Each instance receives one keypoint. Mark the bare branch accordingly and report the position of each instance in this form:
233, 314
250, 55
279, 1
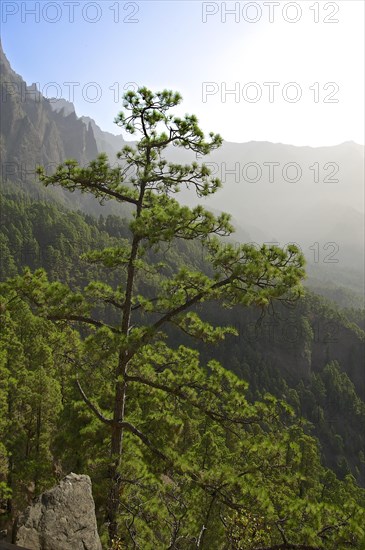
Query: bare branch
82, 319
91, 406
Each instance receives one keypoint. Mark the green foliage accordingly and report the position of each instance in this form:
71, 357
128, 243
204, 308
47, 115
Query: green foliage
80, 443
31, 398
179, 455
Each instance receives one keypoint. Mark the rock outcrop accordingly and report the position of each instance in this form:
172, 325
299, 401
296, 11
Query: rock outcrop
62, 518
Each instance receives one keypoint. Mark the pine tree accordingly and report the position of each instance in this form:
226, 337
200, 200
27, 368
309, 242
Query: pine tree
190, 423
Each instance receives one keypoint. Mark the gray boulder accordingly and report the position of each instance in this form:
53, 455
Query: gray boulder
62, 518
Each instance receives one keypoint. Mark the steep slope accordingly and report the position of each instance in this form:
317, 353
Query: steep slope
106, 142
289, 354
33, 133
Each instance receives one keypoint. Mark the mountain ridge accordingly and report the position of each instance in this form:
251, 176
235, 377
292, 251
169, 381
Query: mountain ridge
322, 207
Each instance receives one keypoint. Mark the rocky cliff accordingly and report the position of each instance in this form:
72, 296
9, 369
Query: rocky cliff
32, 132
61, 519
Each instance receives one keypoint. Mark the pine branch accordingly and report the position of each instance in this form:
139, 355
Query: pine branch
188, 304
214, 415
131, 428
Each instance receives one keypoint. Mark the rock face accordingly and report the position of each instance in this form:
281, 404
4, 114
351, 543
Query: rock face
33, 133
61, 519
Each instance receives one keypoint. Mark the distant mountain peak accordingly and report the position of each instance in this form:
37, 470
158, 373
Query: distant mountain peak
61, 104
4, 61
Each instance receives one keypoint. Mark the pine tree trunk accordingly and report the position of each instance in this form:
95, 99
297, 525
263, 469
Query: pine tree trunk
115, 485
113, 502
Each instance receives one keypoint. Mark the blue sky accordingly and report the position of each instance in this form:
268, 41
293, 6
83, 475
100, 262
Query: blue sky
307, 55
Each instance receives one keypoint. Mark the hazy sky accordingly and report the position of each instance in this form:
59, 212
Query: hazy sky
295, 69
